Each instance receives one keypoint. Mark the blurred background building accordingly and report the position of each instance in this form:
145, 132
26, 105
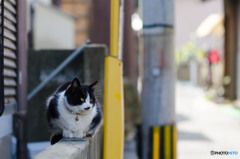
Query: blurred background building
82, 20
199, 31
189, 14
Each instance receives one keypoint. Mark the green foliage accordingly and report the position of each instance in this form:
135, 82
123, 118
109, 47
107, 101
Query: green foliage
132, 107
188, 52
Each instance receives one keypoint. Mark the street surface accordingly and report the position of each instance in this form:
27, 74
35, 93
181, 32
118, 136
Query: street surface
204, 126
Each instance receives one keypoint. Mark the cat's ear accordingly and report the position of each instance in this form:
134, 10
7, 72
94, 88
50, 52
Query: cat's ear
93, 85
75, 83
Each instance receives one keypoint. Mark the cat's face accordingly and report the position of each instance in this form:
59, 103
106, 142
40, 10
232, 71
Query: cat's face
80, 98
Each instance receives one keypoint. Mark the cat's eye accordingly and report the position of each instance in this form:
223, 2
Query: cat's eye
82, 99
91, 100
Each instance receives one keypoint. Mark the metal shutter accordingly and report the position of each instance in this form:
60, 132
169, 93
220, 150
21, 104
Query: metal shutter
9, 21
1, 62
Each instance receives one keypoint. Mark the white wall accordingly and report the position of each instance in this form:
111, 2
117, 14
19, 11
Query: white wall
6, 151
5, 125
46, 2
53, 29
188, 16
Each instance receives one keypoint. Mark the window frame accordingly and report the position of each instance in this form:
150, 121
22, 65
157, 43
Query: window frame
2, 103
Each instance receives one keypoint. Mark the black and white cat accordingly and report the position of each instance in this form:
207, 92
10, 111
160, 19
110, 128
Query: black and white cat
73, 111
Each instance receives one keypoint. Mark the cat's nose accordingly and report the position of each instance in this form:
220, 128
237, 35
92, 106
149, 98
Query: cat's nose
87, 108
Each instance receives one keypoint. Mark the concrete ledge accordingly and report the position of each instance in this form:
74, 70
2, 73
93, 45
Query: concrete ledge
66, 149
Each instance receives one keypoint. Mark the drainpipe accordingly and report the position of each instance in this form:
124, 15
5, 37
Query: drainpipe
21, 115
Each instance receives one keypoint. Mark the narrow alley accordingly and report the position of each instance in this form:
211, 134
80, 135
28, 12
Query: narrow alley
204, 126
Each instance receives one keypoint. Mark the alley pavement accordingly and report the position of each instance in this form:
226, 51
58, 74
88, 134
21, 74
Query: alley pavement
130, 150
205, 130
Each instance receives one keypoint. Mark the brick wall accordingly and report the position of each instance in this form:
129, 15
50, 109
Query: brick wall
81, 10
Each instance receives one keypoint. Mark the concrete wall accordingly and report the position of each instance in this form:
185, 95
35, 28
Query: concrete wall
87, 148
6, 136
188, 16
53, 29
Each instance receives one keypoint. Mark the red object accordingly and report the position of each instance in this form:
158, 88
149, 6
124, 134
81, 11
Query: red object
213, 56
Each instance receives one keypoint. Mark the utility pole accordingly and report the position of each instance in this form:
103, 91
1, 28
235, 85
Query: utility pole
158, 87
230, 47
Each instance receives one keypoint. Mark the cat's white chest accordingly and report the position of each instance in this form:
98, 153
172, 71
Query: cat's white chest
74, 125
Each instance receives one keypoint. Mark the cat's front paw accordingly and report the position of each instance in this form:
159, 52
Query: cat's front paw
68, 134
90, 133
79, 135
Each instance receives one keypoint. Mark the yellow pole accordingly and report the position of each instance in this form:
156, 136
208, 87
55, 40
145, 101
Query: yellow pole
114, 28
113, 138
164, 142
156, 143
167, 141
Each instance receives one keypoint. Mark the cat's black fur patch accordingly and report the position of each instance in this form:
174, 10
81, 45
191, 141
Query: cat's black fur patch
96, 120
78, 90
52, 109
63, 87
55, 138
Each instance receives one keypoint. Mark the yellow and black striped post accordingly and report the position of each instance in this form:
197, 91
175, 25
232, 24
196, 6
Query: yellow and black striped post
163, 142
